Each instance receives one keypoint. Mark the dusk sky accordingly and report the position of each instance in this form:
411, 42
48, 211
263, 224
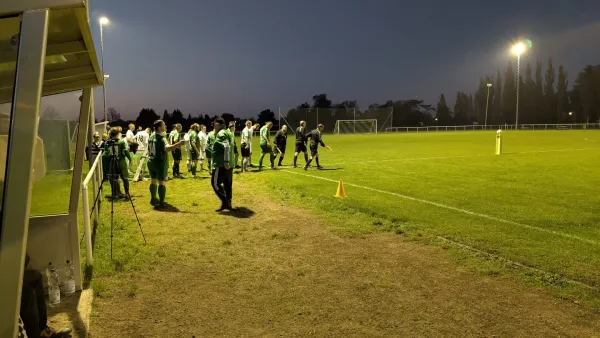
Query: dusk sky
243, 56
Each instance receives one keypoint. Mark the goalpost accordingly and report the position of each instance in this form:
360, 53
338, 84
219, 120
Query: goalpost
366, 126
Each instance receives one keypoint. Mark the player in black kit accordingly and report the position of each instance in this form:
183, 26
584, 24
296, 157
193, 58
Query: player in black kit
315, 138
300, 143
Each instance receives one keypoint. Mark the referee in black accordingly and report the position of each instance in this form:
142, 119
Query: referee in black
315, 137
300, 143
280, 141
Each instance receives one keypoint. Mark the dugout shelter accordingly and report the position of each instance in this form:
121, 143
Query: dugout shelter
46, 48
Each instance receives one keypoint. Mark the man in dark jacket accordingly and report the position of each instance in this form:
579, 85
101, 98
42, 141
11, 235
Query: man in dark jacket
315, 138
280, 144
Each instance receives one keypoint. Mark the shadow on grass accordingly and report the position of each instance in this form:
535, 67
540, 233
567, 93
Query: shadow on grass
169, 208
239, 212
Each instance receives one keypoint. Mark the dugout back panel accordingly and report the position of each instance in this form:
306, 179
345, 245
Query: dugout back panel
57, 146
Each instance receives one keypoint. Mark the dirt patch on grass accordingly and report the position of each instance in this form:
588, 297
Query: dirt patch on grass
259, 276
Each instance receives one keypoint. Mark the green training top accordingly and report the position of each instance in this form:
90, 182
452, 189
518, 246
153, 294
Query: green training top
157, 150
194, 139
222, 148
210, 142
264, 132
174, 136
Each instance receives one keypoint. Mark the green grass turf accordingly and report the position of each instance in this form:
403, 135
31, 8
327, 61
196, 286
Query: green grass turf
547, 180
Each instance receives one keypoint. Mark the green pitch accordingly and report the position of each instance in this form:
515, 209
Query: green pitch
537, 204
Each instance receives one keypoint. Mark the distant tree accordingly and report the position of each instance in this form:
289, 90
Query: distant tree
228, 117
167, 119
509, 98
113, 115
50, 114
549, 94
177, 117
585, 95
321, 101
562, 99
527, 92
146, 118
265, 116
539, 94
461, 108
443, 114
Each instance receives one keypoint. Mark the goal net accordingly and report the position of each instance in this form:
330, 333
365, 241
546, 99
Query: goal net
366, 126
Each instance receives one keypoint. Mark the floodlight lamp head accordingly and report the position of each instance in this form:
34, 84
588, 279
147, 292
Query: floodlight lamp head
519, 48
570, 113
103, 20
489, 85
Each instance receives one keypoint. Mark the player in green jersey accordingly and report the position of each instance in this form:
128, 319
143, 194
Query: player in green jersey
175, 137
265, 145
209, 149
222, 174
234, 163
158, 163
194, 147
114, 163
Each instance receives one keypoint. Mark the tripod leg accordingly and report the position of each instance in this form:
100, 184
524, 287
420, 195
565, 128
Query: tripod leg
119, 172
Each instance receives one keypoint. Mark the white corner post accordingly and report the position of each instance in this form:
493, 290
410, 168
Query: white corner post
499, 142
25, 113
72, 227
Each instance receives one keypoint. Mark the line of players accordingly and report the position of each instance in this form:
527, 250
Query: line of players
218, 147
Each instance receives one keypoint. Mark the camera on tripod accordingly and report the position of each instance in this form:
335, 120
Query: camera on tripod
112, 145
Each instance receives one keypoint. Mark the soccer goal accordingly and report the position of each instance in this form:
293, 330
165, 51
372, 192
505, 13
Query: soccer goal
367, 126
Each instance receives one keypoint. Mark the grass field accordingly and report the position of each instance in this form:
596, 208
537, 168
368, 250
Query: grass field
537, 204
477, 233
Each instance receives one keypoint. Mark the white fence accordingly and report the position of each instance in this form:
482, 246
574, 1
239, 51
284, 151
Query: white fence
94, 175
496, 127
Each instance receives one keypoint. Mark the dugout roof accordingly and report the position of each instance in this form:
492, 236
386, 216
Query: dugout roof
71, 62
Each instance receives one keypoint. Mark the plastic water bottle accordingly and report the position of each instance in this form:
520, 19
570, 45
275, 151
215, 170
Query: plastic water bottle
53, 285
69, 278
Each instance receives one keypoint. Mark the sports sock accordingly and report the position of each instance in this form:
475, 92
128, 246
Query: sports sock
306, 157
174, 169
280, 159
126, 187
153, 189
194, 169
317, 160
308, 162
189, 166
295, 159
162, 192
260, 160
272, 160
178, 169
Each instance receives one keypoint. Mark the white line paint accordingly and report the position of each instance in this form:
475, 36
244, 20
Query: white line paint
521, 265
449, 207
463, 156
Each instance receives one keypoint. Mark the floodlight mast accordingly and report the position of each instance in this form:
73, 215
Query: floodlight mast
487, 102
518, 49
103, 21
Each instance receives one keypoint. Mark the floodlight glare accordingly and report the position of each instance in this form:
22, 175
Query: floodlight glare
489, 85
103, 20
519, 48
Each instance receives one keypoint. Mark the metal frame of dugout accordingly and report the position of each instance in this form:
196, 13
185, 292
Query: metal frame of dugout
52, 52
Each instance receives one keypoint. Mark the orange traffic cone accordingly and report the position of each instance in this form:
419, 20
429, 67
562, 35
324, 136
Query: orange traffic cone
340, 190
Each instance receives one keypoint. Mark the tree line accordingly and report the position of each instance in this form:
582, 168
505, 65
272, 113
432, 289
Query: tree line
544, 97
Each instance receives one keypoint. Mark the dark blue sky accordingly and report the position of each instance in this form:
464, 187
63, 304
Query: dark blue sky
242, 56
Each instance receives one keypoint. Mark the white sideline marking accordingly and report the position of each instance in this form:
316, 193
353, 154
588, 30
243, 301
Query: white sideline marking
464, 156
521, 265
464, 211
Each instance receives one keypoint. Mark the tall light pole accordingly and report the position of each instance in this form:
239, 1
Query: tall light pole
518, 49
487, 103
103, 21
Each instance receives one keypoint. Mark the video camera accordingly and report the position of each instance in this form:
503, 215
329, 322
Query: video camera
112, 146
